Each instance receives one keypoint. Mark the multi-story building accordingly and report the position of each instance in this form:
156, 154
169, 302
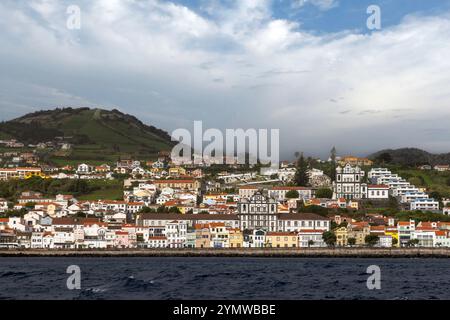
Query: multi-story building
349, 183
236, 237
355, 161
281, 240
258, 212
247, 192
425, 204
405, 228
18, 173
183, 184
176, 234
310, 238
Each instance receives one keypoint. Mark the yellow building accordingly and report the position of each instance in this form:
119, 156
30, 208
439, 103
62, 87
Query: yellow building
42, 175
236, 238
359, 232
394, 234
185, 184
341, 236
215, 196
355, 161
177, 171
353, 204
281, 239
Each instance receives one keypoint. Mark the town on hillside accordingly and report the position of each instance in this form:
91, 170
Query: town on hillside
308, 203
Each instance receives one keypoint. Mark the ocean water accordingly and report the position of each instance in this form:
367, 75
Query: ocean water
223, 278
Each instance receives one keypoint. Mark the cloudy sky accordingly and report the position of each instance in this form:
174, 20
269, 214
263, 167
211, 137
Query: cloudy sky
310, 68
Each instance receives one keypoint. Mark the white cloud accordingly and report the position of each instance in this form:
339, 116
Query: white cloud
234, 67
321, 4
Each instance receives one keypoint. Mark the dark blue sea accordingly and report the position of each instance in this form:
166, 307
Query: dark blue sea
223, 278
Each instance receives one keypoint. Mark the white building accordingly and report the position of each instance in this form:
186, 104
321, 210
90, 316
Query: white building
257, 239
310, 238
377, 191
427, 238
378, 172
84, 169
247, 192
413, 196
176, 234
425, 205
157, 242
279, 193
349, 183
384, 241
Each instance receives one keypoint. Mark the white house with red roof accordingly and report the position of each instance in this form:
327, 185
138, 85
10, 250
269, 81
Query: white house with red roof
377, 191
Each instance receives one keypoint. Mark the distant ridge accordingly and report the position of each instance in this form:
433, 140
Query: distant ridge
412, 157
94, 133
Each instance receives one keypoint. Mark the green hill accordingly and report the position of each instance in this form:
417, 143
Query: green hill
96, 135
410, 157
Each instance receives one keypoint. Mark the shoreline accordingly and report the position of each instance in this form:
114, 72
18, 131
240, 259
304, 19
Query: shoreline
239, 252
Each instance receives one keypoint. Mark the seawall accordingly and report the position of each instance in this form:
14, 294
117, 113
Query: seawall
238, 252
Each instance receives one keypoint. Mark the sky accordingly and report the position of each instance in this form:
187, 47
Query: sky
310, 68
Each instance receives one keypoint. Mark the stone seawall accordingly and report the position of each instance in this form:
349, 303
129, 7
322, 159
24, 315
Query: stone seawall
239, 252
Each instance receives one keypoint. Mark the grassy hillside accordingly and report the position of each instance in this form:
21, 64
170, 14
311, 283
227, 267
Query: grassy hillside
96, 135
430, 179
409, 157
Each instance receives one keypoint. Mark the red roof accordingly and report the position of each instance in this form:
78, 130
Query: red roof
378, 186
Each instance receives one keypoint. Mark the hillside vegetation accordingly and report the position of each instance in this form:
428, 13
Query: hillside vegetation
97, 135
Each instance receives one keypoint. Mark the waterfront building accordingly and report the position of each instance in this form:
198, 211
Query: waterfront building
310, 238
157, 242
341, 236
405, 228
176, 233
202, 236
281, 240
236, 238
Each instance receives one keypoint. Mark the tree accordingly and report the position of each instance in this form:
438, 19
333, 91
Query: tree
343, 224
329, 238
292, 194
333, 163
324, 193
301, 176
436, 195
384, 158
174, 210
80, 214
412, 242
310, 243
371, 240
394, 241
351, 241
147, 210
